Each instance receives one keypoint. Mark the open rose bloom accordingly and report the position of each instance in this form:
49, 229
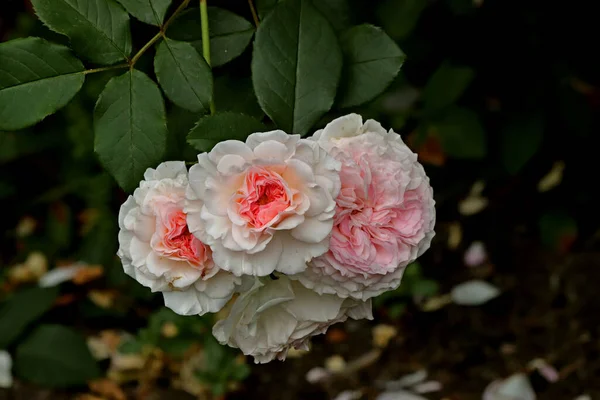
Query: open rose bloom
304, 232
265, 205
384, 216
158, 250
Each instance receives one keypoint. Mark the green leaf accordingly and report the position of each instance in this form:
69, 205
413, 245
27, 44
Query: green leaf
296, 66
395, 311
372, 61
264, 7
425, 287
130, 127
229, 33
22, 309
239, 372
98, 29
461, 134
55, 356
237, 95
180, 121
149, 11
399, 17
184, 75
521, 138
36, 79
213, 129
445, 86
337, 12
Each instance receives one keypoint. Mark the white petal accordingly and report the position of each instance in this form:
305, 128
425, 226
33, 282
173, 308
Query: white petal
298, 173
126, 207
346, 126
515, 387
473, 293
221, 285
199, 173
240, 263
229, 147
290, 141
475, 254
317, 374
399, 395
310, 306
244, 238
231, 164
170, 170
193, 302
373, 126
179, 274
60, 275
407, 380
272, 151
214, 225
139, 252
312, 230
349, 395
359, 309
297, 253
6, 379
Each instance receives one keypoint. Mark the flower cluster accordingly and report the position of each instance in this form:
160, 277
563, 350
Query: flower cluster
295, 234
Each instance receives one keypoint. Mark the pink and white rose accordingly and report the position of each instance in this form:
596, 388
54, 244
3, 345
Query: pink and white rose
158, 250
385, 211
264, 205
276, 315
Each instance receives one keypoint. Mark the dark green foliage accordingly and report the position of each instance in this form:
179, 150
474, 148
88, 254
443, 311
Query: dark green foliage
213, 129
36, 79
55, 356
296, 66
98, 29
130, 126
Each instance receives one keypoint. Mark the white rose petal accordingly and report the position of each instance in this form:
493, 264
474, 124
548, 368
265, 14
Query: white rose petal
515, 387
473, 293
349, 395
6, 379
407, 380
60, 275
399, 395
276, 315
475, 254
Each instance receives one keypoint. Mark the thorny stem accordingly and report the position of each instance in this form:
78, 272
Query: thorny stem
206, 42
254, 15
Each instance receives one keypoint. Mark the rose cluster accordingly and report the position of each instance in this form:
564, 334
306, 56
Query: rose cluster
292, 234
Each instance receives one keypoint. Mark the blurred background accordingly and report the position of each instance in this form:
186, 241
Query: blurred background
500, 99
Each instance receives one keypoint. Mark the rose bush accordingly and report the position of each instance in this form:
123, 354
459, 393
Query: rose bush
158, 250
264, 205
384, 215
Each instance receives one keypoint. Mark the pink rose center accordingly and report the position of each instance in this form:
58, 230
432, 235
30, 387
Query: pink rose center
176, 242
262, 197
